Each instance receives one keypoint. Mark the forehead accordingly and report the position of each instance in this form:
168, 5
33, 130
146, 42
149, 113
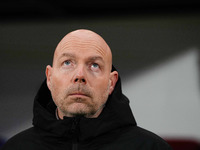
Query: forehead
84, 46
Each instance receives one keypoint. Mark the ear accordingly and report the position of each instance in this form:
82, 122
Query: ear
113, 80
48, 76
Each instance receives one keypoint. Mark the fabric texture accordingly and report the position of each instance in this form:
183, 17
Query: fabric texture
114, 129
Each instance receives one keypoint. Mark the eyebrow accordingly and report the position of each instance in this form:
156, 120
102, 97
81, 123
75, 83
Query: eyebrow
92, 58
67, 55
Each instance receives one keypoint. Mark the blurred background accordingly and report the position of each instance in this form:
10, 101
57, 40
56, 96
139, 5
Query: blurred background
155, 45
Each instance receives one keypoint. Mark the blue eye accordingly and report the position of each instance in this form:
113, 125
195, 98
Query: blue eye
67, 62
95, 65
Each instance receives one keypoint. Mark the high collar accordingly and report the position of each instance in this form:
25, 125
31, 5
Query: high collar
115, 115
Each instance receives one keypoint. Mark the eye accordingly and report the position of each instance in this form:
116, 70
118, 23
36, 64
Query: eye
67, 63
95, 67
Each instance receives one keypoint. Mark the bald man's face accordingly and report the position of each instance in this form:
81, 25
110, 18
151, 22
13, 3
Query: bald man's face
81, 78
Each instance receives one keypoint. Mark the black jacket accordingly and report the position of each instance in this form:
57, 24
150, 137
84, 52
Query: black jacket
114, 129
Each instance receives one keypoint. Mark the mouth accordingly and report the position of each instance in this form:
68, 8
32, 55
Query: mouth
78, 94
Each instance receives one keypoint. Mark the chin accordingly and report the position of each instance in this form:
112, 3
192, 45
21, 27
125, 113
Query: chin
79, 109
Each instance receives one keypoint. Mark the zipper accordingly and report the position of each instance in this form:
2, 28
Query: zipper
75, 133
75, 146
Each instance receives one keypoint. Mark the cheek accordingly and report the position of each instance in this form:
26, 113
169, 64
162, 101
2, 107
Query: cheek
59, 80
102, 86
58, 85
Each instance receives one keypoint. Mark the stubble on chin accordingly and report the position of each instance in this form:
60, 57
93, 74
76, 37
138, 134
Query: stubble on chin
76, 107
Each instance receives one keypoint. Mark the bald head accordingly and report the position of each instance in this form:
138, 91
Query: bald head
84, 39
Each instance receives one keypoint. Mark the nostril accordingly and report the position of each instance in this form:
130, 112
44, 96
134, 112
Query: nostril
80, 80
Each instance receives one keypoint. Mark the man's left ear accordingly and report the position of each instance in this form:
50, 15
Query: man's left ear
113, 80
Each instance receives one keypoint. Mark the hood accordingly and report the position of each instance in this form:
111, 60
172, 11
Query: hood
115, 115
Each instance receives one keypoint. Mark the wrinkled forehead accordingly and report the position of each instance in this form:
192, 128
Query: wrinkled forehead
80, 40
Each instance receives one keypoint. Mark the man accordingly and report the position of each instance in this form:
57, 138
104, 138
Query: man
80, 106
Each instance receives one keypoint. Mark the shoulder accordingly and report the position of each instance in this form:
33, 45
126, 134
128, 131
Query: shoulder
148, 139
138, 138
21, 140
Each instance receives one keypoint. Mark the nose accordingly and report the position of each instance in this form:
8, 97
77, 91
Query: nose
80, 76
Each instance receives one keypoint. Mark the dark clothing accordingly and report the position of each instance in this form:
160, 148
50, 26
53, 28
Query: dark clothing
114, 129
